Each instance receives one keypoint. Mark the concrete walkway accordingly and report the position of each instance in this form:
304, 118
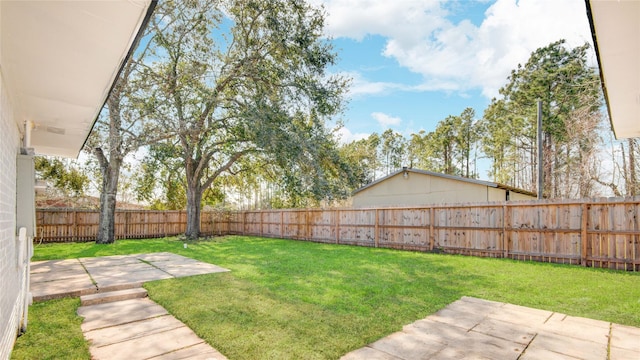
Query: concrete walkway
472, 328
120, 322
140, 329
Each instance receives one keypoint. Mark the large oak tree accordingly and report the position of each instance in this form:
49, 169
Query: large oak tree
243, 78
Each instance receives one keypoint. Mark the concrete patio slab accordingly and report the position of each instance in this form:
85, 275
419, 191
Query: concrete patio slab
472, 328
623, 354
114, 260
162, 256
521, 315
72, 286
124, 267
538, 354
112, 278
579, 328
568, 346
505, 330
462, 319
626, 337
470, 344
368, 353
437, 331
76, 277
56, 266
407, 345
39, 277
475, 306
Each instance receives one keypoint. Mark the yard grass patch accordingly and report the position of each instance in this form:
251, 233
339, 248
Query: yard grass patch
293, 299
53, 332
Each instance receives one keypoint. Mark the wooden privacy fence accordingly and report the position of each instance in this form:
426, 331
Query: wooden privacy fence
69, 225
598, 233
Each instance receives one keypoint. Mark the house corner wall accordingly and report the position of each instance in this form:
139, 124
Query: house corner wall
12, 271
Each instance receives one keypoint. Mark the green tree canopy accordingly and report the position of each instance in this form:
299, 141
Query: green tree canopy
571, 99
67, 180
239, 78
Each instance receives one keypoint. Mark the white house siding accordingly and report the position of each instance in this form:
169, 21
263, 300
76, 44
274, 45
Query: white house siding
12, 292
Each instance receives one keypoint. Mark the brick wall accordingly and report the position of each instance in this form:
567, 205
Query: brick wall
12, 291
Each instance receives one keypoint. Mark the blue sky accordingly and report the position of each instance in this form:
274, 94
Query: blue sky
414, 62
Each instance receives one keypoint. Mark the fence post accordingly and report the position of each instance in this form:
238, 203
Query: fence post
376, 230
432, 235
308, 221
583, 233
126, 225
164, 222
506, 219
74, 237
244, 220
337, 223
282, 223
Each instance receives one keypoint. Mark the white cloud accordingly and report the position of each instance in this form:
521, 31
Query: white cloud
385, 120
345, 135
458, 56
361, 86
357, 18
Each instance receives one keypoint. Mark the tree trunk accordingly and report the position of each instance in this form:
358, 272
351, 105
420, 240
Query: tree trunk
194, 199
110, 174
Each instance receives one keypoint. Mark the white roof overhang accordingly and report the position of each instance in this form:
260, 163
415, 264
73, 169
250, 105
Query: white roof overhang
59, 60
615, 27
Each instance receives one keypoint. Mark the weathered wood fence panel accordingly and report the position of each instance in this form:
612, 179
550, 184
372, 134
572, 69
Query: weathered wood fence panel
469, 230
357, 227
68, 225
545, 232
594, 232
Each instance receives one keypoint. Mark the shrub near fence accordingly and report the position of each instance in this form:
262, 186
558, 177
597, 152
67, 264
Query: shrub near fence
598, 233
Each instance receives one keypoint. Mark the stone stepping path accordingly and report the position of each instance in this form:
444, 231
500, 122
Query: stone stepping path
472, 328
126, 325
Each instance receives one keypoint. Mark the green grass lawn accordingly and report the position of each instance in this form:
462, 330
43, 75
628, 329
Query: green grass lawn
53, 332
289, 299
